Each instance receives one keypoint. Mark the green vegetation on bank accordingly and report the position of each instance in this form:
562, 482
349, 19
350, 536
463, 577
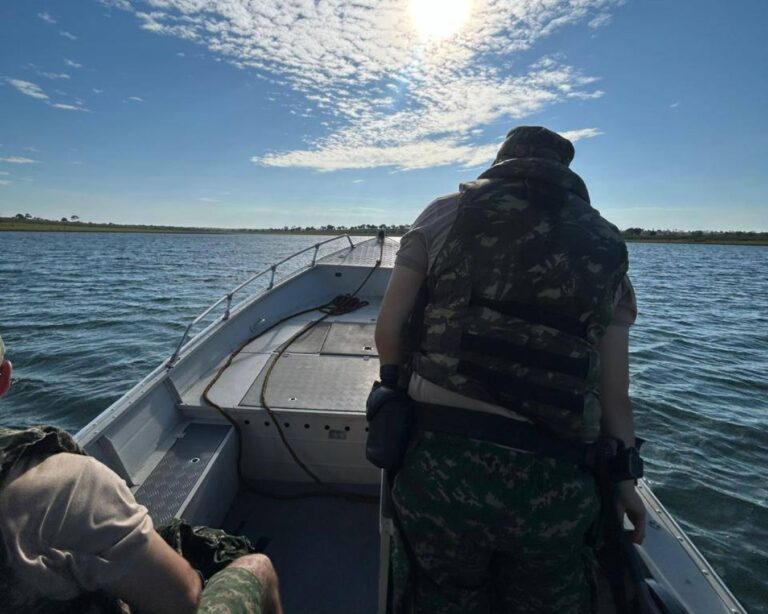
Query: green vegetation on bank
25, 222
738, 237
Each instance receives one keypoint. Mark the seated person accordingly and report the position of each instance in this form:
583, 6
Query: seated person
70, 526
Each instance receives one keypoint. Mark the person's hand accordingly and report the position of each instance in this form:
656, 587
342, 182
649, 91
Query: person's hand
630, 503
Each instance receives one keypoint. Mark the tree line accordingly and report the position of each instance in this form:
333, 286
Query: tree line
630, 234
695, 236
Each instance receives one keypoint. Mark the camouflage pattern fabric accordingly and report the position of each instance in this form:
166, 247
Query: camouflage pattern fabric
208, 550
44, 440
492, 530
234, 590
536, 142
522, 292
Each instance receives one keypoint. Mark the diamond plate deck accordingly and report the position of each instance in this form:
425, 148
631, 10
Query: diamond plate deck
365, 254
175, 476
349, 338
312, 341
306, 381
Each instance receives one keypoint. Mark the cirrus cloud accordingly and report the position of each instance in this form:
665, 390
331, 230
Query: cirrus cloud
385, 96
18, 160
28, 88
35, 91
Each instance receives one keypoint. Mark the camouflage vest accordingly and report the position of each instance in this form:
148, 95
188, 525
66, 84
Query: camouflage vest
520, 295
42, 441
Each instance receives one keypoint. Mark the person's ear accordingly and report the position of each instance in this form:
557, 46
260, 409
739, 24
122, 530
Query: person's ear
6, 369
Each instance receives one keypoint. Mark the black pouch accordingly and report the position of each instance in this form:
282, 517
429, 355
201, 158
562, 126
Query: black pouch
390, 416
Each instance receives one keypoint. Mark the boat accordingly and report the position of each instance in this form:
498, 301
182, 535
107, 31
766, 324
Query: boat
256, 424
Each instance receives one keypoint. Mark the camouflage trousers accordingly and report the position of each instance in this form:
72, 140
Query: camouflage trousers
491, 530
233, 590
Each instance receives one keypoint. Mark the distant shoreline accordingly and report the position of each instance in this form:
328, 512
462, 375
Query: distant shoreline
632, 235
757, 243
13, 225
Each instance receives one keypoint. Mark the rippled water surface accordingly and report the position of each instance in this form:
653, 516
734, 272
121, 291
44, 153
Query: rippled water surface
85, 316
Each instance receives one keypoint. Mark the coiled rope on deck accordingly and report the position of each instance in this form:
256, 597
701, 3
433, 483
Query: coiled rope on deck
339, 305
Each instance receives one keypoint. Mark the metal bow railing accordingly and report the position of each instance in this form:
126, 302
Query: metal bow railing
228, 296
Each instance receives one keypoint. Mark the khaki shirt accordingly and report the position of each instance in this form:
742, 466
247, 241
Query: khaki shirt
418, 251
70, 525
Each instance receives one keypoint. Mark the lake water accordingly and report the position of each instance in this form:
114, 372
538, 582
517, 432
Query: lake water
85, 316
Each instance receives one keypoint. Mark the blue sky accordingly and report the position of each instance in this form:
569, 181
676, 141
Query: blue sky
256, 113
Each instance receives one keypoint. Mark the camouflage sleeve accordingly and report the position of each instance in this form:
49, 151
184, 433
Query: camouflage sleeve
233, 590
625, 304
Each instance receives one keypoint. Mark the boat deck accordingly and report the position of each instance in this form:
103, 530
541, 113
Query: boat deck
329, 368
325, 549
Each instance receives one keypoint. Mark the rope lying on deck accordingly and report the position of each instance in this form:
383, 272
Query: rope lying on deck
340, 305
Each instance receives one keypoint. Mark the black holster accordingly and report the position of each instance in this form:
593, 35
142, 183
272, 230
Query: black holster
390, 418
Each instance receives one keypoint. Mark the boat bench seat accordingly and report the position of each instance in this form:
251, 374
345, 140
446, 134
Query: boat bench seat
190, 472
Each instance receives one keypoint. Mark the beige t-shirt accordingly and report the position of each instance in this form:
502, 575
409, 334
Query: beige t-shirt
418, 251
70, 524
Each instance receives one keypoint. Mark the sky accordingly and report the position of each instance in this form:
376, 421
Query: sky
257, 113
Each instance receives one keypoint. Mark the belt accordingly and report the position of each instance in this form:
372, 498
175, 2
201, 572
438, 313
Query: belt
506, 432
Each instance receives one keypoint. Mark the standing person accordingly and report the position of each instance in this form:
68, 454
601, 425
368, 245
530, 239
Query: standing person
74, 540
516, 354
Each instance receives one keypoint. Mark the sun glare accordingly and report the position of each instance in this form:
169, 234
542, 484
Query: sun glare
439, 19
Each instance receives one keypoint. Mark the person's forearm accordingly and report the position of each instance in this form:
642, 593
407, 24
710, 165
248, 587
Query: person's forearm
396, 306
388, 344
618, 421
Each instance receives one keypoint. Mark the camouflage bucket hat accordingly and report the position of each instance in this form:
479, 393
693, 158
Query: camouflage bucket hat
536, 142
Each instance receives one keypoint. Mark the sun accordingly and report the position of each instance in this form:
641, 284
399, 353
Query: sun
439, 19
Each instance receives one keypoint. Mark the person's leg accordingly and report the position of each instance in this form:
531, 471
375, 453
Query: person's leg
545, 567
247, 586
436, 497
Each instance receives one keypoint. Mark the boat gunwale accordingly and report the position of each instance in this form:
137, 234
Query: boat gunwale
95, 428
667, 523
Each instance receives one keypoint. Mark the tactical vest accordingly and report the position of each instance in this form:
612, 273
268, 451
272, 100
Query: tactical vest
40, 441
520, 295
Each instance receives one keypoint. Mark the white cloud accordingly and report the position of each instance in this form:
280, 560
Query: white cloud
97, 91
134, 99
5, 182
46, 17
4, 173
72, 63
69, 107
117, 4
603, 19
28, 88
204, 199
18, 160
674, 105
385, 96
35, 91
54, 75
358, 180
68, 35
584, 133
